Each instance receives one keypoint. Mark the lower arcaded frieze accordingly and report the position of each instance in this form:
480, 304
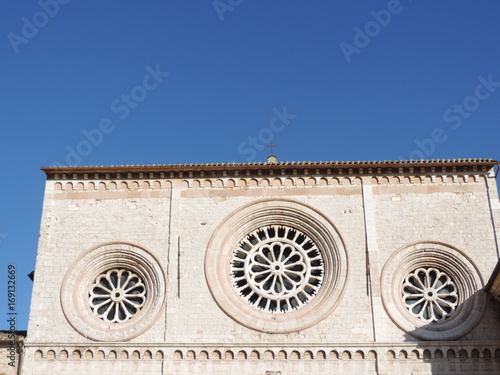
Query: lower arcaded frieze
455, 350
446, 358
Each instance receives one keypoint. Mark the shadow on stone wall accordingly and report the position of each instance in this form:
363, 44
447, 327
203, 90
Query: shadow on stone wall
469, 353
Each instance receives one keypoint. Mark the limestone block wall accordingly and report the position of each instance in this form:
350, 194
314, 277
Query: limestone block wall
11, 352
172, 233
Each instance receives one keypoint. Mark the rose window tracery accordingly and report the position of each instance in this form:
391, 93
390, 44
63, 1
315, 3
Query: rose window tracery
117, 295
429, 294
277, 269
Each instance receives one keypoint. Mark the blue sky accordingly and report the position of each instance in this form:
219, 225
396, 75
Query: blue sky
128, 82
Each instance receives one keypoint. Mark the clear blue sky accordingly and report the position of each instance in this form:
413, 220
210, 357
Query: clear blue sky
129, 82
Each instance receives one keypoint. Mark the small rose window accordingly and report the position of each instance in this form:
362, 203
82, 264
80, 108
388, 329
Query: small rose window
117, 295
429, 294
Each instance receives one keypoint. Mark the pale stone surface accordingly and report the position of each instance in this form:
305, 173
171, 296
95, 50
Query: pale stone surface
10, 347
174, 219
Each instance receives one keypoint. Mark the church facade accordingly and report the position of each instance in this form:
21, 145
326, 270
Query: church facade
267, 268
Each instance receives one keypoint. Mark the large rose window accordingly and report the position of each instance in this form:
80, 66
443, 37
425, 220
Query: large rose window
277, 268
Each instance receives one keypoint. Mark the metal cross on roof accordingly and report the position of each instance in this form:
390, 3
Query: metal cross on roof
271, 147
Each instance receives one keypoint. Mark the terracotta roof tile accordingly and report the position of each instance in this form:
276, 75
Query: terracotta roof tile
214, 167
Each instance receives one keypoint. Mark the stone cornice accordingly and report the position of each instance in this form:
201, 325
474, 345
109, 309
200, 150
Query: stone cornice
294, 345
398, 167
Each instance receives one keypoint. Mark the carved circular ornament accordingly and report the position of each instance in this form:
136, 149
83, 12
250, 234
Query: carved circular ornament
114, 292
277, 269
429, 294
117, 295
276, 266
432, 291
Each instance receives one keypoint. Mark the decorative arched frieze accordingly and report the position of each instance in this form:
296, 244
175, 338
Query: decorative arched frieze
229, 355
359, 354
450, 353
254, 354
51, 355
346, 355
264, 182
289, 182
268, 355
334, 354
253, 183
203, 355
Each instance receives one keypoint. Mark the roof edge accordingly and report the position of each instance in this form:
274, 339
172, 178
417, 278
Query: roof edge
262, 165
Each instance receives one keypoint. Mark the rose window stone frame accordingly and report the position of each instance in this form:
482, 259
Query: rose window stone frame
255, 216
78, 289
464, 298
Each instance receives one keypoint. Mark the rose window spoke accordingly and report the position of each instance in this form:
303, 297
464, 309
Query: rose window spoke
429, 294
277, 269
117, 295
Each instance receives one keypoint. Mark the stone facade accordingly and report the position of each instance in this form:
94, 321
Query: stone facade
11, 351
267, 268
